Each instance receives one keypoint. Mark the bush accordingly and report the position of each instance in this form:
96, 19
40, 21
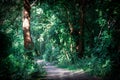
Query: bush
96, 66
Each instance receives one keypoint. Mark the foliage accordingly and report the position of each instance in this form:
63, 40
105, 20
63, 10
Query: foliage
98, 66
51, 22
14, 63
53, 41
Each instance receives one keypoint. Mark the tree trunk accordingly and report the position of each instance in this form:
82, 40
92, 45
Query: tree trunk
28, 44
80, 41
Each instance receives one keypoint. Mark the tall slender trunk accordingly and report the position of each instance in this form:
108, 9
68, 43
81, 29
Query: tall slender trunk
80, 41
28, 44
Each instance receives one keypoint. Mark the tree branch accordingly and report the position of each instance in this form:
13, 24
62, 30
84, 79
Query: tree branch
100, 33
33, 3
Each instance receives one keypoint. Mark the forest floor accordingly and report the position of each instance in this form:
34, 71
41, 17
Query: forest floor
56, 73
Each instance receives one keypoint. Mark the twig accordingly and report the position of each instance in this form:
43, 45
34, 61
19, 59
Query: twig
33, 3
100, 32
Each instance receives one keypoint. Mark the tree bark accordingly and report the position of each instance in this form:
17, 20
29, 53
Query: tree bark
28, 44
80, 41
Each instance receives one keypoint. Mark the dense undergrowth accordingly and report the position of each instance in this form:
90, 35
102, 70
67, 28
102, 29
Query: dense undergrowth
15, 64
50, 31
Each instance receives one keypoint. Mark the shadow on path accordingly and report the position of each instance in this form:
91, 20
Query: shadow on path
55, 73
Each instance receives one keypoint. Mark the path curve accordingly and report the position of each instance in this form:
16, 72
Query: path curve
55, 73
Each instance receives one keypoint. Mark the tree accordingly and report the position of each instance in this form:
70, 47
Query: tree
80, 31
28, 44
77, 33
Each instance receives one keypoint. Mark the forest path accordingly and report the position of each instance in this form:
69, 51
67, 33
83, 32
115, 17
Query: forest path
55, 73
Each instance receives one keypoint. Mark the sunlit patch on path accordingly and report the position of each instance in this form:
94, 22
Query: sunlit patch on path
55, 73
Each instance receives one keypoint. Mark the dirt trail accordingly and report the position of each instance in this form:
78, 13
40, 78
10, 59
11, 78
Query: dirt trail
55, 73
